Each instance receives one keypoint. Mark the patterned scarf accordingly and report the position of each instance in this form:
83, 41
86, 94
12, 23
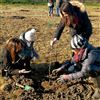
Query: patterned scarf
78, 55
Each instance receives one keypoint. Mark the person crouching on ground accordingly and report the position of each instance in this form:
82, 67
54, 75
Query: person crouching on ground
23, 56
87, 55
76, 18
28, 38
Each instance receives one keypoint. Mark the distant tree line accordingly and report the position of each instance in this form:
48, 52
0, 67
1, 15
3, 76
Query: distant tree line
22, 1
90, 1
38, 1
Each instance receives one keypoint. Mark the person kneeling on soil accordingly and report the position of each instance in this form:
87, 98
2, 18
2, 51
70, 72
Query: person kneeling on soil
84, 54
17, 60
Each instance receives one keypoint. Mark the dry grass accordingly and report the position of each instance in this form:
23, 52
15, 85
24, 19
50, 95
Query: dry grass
37, 16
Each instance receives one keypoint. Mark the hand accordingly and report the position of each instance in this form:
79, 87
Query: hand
55, 71
62, 79
23, 71
53, 41
34, 59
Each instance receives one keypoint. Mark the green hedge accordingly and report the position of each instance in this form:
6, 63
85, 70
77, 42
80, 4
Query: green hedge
94, 2
23, 1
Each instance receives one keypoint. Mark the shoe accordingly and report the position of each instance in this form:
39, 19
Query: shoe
23, 71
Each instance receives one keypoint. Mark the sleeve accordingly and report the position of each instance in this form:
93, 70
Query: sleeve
66, 64
59, 30
87, 25
6, 59
72, 31
35, 54
86, 68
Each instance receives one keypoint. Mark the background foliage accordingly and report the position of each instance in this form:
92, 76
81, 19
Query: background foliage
41, 1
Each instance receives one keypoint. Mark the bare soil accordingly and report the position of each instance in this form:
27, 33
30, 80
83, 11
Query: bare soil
15, 19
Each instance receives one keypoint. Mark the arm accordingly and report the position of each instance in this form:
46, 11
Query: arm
59, 29
66, 65
6, 58
87, 25
35, 54
86, 68
7, 64
58, 32
63, 67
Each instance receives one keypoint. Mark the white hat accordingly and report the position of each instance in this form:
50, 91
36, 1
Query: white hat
29, 35
78, 42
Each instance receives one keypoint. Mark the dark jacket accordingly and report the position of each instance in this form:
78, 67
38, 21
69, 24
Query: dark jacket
51, 1
62, 1
83, 27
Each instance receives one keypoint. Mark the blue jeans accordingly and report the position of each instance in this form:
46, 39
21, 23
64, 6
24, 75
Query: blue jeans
50, 10
57, 10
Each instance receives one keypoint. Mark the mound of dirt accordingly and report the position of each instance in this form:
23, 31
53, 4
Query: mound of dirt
39, 86
17, 19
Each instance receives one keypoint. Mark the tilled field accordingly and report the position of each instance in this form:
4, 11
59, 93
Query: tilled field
15, 19
44, 87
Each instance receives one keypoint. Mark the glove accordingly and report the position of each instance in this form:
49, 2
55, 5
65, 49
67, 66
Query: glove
23, 71
53, 41
55, 71
62, 79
